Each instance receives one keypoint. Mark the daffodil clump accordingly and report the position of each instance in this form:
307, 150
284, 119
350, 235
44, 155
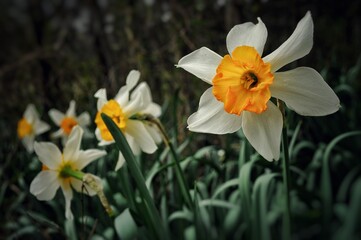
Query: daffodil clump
246, 91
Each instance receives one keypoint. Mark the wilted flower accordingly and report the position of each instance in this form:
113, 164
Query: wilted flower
243, 83
30, 126
126, 110
63, 169
67, 121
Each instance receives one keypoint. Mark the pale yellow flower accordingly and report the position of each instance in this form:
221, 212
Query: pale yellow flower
30, 126
126, 110
67, 121
56, 166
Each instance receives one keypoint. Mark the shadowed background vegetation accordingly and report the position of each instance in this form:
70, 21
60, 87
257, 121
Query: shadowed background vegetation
54, 51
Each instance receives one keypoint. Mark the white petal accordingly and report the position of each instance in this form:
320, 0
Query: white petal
135, 105
202, 63
48, 153
247, 34
58, 133
122, 96
81, 187
298, 45
71, 110
153, 109
212, 118
45, 185
154, 132
30, 113
120, 162
28, 142
84, 119
264, 130
304, 91
88, 156
132, 79
84, 188
41, 127
132, 144
72, 146
141, 136
101, 94
68, 194
56, 116
144, 90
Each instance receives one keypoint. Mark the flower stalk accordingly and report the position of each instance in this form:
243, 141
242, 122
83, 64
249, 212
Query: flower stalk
178, 170
285, 175
67, 171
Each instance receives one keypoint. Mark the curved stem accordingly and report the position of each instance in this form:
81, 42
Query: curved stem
178, 170
286, 176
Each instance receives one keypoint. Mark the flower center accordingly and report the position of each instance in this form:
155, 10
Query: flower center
24, 128
63, 171
242, 81
67, 124
115, 112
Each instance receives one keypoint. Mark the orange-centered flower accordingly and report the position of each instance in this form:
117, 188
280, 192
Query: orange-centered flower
242, 84
67, 124
67, 121
30, 126
242, 81
24, 128
113, 110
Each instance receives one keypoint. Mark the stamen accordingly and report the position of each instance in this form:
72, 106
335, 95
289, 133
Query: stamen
67, 124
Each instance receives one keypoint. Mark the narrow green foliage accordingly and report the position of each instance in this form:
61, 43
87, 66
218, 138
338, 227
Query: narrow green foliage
326, 182
261, 198
123, 146
245, 191
287, 186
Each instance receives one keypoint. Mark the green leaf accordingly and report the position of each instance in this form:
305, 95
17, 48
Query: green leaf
155, 225
350, 228
326, 188
261, 200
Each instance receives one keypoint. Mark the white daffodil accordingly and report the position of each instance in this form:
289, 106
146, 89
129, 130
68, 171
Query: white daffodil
67, 121
61, 169
243, 84
30, 126
124, 109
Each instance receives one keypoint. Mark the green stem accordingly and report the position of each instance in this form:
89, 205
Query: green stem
286, 178
178, 170
67, 171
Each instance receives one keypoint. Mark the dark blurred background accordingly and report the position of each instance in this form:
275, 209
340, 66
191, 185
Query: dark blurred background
58, 50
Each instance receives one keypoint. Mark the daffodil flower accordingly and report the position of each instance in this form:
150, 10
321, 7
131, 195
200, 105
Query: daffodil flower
67, 121
126, 110
243, 83
29, 126
63, 169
